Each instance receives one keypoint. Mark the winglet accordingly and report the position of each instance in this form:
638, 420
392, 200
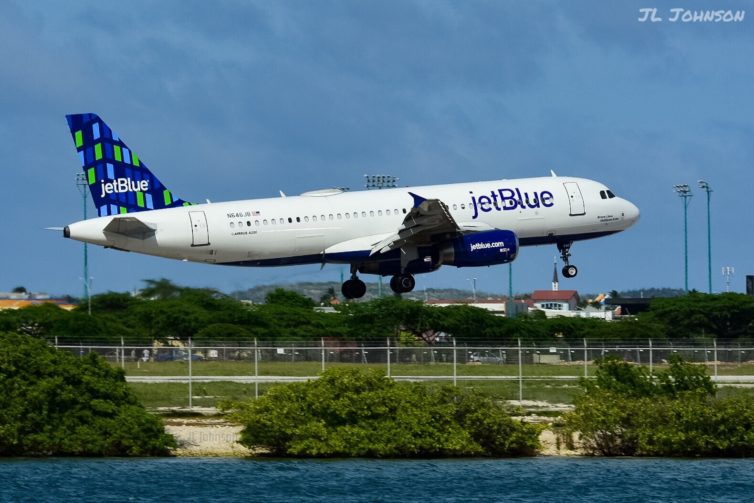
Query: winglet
417, 199
553, 174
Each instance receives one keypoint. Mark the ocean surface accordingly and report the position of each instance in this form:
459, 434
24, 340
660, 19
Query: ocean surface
535, 479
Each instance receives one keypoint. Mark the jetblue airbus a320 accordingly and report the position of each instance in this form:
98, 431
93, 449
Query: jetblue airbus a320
397, 232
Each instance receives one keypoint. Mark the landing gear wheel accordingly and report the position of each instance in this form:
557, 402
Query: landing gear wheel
402, 283
570, 271
353, 288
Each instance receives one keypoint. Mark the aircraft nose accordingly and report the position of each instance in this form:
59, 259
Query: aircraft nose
631, 213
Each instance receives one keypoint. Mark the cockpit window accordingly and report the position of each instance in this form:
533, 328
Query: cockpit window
603, 195
610, 194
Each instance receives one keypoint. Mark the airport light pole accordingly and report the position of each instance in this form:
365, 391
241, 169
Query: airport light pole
83, 186
684, 191
705, 187
378, 182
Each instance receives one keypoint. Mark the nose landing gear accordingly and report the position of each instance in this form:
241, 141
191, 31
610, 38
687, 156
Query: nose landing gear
564, 247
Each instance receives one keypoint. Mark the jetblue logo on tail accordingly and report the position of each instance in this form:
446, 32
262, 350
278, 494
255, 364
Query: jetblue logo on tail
118, 179
121, 185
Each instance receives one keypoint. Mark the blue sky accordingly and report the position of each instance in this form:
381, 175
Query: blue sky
233, 100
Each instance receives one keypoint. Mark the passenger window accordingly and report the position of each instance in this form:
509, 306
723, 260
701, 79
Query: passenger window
387, 212
363, 214
331, 216
273, 221
455, 206
404, 211
264, 222
290, 220
314, 218
463, 206
306, 219
298, 220
256, 222
340, 216
248, 224
348, 216
371, 213
379, 213
232, 225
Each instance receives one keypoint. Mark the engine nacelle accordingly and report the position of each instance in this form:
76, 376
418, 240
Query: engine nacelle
480, 248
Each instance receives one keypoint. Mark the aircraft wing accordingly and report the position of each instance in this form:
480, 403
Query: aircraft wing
427, 219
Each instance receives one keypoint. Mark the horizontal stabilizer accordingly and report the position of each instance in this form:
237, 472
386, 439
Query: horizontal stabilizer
130, 227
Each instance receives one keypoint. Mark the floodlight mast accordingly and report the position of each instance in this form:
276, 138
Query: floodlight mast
705, 187
380, 182
684, 191
83, 186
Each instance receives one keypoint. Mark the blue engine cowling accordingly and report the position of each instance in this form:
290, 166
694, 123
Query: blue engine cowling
481, 248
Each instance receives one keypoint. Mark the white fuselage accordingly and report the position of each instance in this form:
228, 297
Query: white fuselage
324, 226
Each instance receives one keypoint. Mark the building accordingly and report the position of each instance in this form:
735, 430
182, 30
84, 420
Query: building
555, 300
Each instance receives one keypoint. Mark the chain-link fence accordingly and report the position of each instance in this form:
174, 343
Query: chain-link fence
513, 371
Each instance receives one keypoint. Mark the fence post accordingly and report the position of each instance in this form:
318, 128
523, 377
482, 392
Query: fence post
714, 345
256, 369
520, 374
122, 354
455, 362
388, 356
322, 345
651, 358
586, 360
190, 387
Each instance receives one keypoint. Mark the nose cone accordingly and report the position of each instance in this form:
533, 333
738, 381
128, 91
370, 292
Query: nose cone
630, 213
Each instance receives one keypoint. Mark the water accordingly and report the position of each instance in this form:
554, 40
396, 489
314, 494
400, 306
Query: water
535, 479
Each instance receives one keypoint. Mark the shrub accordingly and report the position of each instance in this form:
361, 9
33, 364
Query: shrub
626, 412
54, 403
355, 413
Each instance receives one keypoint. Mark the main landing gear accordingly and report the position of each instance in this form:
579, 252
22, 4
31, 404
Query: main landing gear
354, 288
402, 283
564, 247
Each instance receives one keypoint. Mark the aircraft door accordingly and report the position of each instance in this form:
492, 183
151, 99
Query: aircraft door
575, 199
199, 230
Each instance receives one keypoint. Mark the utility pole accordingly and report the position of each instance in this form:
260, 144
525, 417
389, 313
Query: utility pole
684, 192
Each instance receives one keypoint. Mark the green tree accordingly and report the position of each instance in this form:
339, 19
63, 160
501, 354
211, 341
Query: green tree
725, 315
161, 289
288, 298
54, 403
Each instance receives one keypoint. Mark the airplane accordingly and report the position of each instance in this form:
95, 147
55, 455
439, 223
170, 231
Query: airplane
396, 232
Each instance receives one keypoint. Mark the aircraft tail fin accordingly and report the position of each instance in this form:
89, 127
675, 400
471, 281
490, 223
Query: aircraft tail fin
119, 181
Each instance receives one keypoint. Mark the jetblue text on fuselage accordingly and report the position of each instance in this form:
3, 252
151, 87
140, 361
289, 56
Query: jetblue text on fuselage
510, 199
123, 185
